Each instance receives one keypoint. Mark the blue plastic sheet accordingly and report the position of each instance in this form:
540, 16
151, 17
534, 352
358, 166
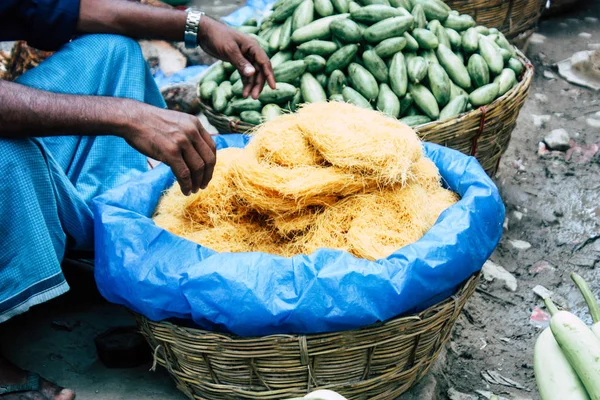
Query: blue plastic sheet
163, 276
258, 9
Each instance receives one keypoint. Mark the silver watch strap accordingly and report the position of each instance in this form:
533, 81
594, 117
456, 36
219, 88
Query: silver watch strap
192, 24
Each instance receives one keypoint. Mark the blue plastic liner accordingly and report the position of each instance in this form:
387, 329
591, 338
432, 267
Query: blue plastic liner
258, 9
162, 276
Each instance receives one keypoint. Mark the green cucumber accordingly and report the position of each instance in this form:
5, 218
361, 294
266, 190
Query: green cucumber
461, 57
470, 41
387, 101
455, 39
285, 36
322, 79
337, 97
312, 91
346, 30
353, 97
375, 65
414, 111
219, 100
245, 105
226, 87
238, 88
491, 55
289, 71
215, 72
484, 95
387, 28
417, 69
341, 58
277, 59
304, 15
411, 43
236, 75
270, 112
374, 2
456, 91
439, 82
250, 22
262, 43
353, 6
324, 8
506, 55
419, 15
425, 100
493, 31
415, 120
555, 378
314, 63
505, 44
336, 82
404, 12
454, 108
459, 23
506, 80
374, 13
425, 38
266, 34
228, 111
251, 117
295, 103
429, 56
274, 39
590, 300
285, 10
454, 67
318, 47
247, 29
580, 347
478, 71
406, 4
482, 30
228, 67
389, 47
363, 81
441, 34
298, 55
515, 65
434, 9
207, 89
406, 103
319, 29
341, 6
398, 75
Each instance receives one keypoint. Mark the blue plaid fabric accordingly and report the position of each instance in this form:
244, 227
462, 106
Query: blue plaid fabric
47, 183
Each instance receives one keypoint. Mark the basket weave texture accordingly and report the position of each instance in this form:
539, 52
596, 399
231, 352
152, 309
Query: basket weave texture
483, 133
511, 17
379, 362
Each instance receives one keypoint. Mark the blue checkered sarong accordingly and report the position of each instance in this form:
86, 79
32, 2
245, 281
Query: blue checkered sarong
47, 183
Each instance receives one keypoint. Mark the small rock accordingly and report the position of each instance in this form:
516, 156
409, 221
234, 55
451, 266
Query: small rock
594, 46
549, 75
517, 215
542, 149
598, 114
584, 260
541, 266
488, 395
542, 98
536, 38
540, 120
592, 20
573, 20
594, 123
558, 139
542, 292
493, 271
426, 389
585, 35
563, 25
454, 394
520, 244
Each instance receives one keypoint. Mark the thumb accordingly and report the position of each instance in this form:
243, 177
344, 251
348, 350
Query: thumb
239, 61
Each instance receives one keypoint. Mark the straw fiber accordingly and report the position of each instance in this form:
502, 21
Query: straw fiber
483, 133
379, 362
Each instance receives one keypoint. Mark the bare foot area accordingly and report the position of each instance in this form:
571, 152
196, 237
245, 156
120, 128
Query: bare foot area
17, 384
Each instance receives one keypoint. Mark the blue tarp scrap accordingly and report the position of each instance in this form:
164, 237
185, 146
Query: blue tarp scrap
162, 276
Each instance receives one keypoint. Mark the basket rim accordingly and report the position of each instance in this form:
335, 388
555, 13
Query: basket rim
522, 85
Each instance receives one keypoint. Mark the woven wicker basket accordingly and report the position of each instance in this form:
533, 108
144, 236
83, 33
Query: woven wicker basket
514, 18
483, 133
379, 362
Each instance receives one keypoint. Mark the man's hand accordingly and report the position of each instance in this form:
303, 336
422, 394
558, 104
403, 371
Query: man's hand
177, 139
241, 50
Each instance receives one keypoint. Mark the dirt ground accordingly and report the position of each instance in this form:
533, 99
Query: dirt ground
552, 204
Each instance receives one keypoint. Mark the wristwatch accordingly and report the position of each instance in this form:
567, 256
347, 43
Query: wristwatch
192, 23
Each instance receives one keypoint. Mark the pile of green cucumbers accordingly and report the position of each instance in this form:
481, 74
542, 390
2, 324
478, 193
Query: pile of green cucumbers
416, 60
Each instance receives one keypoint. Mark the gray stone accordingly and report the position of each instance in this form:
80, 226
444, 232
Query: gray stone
585, 35
426, 389
536, 38
492, 271
454, 394
558, 139
592, 20
520, 244
542, 98
594, 123
540, 120
594, 46
549, 75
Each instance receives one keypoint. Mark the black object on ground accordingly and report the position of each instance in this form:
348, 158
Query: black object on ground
122, 347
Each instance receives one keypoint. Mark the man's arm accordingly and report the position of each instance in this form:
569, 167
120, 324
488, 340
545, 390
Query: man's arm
142, 21
177, 139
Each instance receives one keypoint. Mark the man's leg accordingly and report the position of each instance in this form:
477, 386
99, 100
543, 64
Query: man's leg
49, 182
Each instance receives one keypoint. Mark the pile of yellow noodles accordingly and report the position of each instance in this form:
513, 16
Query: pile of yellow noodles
331, 175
